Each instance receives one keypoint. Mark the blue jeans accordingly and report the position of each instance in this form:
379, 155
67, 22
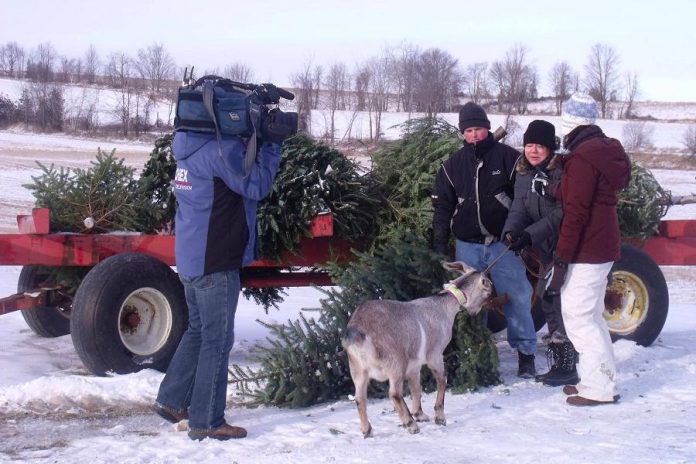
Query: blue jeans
509, 277
197, 376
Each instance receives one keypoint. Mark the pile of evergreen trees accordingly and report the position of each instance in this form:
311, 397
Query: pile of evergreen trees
303, 362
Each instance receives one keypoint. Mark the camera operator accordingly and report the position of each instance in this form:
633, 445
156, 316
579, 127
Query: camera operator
215, 236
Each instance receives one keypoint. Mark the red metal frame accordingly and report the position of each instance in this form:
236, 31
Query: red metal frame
675, 245
22, 301
35, 246
89, 250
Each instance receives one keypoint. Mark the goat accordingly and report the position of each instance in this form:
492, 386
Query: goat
391, 340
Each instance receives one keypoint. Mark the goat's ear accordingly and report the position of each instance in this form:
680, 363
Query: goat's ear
458, 266
459, 281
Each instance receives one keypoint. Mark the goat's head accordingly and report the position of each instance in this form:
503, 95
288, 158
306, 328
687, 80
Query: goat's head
473, 285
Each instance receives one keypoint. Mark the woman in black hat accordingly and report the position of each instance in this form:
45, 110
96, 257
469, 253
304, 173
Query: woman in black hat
534, 221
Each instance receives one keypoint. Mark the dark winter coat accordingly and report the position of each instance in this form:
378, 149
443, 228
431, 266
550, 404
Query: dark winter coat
539, 215
473, 192
594, 171
216, 201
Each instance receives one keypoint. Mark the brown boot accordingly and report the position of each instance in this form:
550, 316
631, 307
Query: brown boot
167, 413
582, 401
570, 390
224, 432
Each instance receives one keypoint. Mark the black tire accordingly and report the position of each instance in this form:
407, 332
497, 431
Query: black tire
52, 320
639, 309
129, 314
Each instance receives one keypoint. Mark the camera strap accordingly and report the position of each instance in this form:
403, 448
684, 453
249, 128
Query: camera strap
208, 102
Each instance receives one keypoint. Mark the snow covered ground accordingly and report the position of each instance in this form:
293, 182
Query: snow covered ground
53, 410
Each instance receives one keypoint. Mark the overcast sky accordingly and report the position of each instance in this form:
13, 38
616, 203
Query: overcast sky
277, 38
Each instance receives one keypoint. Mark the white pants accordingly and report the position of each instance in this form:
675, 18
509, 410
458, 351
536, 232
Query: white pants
582, 305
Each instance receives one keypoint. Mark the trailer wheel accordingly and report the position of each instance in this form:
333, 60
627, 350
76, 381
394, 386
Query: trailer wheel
129, 314
637, 299
52, 320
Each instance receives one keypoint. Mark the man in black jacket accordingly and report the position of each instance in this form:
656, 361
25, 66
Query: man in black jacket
472, 195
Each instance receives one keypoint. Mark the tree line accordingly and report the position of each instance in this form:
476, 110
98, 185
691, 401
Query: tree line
401, 78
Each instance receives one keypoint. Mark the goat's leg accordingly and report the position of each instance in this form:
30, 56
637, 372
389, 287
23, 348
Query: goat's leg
438, 369
361, 380
396, 393
414, 384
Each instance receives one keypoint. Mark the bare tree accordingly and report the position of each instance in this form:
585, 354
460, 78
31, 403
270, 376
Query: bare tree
155, 65
40, 67
476, 81
303, 83
637, 136
318, 71
563, 80
362, 83
119, 72
12, 58
81, 111
689, 141
515, 79
42, 104
68, 69
238, 72
91, 64
379, 89
336, 83
402, 70
631, 94
438, 81
601, 75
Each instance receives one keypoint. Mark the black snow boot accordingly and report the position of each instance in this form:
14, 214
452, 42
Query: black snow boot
564, 371
553, 354
525, 366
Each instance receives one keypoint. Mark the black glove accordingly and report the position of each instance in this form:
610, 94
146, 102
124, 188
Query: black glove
441, 248
518, 240
278, 125
440, 240
540, 183
555, 278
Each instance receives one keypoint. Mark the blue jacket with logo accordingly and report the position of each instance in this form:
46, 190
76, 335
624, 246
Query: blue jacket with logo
216, 211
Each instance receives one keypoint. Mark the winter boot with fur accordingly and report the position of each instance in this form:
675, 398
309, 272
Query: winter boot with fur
564, 371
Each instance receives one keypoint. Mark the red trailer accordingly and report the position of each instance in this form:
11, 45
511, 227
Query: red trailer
129, 309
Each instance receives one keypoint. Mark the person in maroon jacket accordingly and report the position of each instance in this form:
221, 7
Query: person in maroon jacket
596, 168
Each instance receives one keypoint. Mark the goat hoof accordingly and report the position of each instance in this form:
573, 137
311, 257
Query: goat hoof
412, 428
368, 433
440, 421
421, 417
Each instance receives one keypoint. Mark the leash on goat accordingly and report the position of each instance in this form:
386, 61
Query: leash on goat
529, 256
495, 261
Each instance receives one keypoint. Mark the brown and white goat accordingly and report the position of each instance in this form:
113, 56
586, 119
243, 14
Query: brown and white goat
391, 340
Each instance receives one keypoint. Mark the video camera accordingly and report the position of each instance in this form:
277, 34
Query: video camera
216, 104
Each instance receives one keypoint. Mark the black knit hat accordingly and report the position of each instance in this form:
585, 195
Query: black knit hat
472, 115
541, 132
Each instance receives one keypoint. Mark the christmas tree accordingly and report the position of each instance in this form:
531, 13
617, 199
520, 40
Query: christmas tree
303, 362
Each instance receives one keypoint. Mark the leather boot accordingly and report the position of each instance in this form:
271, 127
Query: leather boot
552, 356
224, 432
525, 366
565, 372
